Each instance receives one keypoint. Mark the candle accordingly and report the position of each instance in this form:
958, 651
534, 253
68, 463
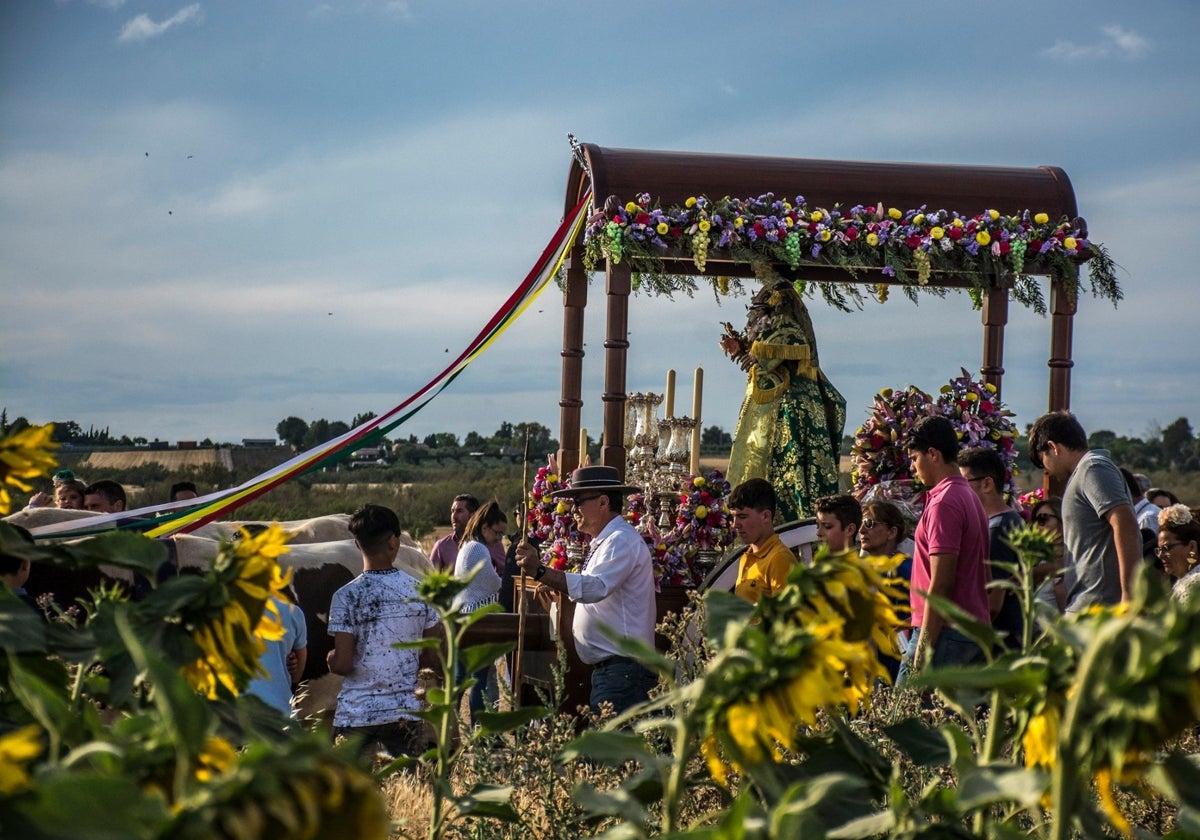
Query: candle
669, 411
697, 390
583, 447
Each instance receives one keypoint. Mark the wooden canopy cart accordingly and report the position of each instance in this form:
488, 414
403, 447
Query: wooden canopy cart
618, 175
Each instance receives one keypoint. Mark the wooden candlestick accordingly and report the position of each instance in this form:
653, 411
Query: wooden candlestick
583, 449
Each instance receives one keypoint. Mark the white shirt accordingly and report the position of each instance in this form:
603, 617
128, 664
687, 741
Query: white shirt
614, 590
1147, 515
379, 609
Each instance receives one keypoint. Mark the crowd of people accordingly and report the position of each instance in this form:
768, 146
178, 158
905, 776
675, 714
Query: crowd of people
1108, 523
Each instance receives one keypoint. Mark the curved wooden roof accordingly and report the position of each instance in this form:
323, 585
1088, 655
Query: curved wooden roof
671, 177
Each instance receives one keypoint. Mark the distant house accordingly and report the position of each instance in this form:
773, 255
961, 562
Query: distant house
259, 443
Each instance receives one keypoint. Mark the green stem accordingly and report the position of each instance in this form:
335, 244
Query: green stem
1064, 789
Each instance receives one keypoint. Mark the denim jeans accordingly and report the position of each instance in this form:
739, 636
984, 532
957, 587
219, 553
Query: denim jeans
479, 698
951, 648
621, 682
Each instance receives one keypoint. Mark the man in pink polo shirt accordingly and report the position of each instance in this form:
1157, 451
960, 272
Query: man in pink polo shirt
951, 555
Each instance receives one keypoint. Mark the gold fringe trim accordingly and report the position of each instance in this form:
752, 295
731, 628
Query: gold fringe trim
795, 352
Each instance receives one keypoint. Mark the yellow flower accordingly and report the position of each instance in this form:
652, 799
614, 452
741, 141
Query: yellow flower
17, 749
662, 227
983, 238
989, 387
701, 512
562, 508
712, 757
937, 232
24, 455
745, 724
893, 213
815, 216
704, 225
699, 481
216, 757
232, 640
872, 239
824, 236
957, 223
691, 202
1040, 740
919, 219
631, 207
1070, 243
738, 222
1041, 218
1108, 803
993, 214
789, 222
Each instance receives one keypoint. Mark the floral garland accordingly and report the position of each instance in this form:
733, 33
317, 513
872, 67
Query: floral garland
902, 243
548, 521
879, 458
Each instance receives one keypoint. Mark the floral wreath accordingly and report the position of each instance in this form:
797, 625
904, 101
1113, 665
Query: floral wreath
1174, 516
879, 457
702, 523
907, 245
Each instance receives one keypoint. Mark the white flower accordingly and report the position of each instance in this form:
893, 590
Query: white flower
1175, 516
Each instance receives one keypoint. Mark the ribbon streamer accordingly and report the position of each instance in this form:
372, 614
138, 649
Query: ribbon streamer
182, 517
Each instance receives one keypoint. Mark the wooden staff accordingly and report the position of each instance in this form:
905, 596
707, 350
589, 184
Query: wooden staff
523, 609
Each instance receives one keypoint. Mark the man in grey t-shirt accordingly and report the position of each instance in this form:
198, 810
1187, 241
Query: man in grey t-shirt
1100, 531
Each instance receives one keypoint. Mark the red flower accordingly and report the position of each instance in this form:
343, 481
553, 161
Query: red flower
1035, 245
759, 228
642, 218
955, 233
1005, 246
676, 232
851, 234
812, 227
913, 240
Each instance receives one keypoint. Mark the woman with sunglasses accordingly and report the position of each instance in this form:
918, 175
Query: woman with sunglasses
485, 528
1047, 515
1178, 544
884, 532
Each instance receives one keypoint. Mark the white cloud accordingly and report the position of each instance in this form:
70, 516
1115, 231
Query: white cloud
1117, 42
107, 4
142, 28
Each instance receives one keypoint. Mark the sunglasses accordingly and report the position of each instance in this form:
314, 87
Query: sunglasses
581, 501
1164, 550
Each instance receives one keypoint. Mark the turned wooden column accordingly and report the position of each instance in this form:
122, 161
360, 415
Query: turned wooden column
616, 346
995, 318
574, 301
1063, 302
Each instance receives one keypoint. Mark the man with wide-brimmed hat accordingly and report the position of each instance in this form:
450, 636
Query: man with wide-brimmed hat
613, 593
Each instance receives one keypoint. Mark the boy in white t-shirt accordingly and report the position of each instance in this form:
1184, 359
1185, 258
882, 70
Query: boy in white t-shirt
366, 618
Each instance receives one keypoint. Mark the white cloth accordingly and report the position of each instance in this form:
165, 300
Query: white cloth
614, 590
485, 586
1187, 585
379, 609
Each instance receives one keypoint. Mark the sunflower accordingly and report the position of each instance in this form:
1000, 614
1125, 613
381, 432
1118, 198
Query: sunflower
17, 749
24, 455
231, 638
810, 648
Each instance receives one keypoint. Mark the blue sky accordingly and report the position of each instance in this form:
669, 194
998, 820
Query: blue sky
214, 215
